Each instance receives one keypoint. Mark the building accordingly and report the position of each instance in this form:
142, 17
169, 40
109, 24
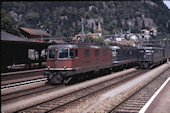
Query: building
93, 35
35, 34
147, 34
153, 32
15, 50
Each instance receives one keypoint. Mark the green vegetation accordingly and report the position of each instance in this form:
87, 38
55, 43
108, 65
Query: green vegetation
64, 17
8, 24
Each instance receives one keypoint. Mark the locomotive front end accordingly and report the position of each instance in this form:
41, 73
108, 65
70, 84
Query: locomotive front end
145, 57
59, 63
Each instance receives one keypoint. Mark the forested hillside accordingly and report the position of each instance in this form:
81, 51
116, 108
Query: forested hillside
65, 17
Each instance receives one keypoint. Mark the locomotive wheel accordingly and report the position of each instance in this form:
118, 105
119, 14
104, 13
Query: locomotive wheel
56, 79
145, 65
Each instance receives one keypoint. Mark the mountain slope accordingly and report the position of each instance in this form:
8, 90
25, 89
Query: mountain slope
65, 17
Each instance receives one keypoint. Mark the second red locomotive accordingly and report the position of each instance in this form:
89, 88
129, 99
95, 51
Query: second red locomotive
66, 61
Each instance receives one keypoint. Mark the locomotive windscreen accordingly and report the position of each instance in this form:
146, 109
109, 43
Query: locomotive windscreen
63, 53
51, 53
66, 53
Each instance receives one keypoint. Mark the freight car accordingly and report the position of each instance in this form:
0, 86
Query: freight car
152, 56
67, 61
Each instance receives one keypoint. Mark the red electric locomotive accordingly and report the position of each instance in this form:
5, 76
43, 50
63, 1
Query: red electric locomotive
66, 61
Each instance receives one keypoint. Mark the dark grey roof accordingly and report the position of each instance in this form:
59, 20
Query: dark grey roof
10, 37
75, 46
62, 46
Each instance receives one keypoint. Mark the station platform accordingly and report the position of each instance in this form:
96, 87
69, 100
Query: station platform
160, 101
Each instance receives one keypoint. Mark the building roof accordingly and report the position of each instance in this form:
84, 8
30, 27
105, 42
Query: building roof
35, 31
89, 34
10, 37
152, 29
144, 30
58, 41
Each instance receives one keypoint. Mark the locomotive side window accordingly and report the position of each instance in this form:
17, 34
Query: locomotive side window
71, 53
105, 52
76, 53
96, 52
51, 53
86, 53
63, 53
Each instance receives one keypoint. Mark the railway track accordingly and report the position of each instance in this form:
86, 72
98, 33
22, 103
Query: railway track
6, 86
16, 77
60, 103
73, 97
135, 102
15, 96
21, 74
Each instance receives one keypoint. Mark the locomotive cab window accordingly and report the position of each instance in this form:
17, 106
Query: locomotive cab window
76, 53
51, 53
71, 53
63, 53
114, 52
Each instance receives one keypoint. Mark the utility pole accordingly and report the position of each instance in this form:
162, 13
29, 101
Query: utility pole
130, 33
82, 26
121, 36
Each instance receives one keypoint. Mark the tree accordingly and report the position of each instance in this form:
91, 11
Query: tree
136, 22
8, 24
143, 24
91, 30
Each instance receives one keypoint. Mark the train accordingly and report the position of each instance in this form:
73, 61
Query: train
68, 61
123, 56
150, 56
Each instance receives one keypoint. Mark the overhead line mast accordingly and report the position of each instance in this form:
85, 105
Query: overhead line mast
82, 26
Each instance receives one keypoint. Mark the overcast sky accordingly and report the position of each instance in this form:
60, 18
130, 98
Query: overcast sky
167, 2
